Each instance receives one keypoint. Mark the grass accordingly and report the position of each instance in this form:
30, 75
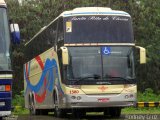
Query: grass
132, 110
20, 111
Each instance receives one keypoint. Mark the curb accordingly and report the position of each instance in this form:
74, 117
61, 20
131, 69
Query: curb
147, 104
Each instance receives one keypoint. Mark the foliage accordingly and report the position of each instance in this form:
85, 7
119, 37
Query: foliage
18, 100
147, 34
132, 110
148, 95
18, 104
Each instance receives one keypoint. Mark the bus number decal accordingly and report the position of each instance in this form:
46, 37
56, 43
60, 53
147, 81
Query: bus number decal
74, 91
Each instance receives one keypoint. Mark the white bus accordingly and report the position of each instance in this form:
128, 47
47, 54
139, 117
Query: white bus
82, 61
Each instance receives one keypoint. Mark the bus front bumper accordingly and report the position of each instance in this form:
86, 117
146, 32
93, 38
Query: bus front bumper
99, 105
99, 101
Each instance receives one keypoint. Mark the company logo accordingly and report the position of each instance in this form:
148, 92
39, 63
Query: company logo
103, 88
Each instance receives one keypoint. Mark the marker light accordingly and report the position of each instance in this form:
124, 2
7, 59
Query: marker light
2, 87
74, 86
7, 87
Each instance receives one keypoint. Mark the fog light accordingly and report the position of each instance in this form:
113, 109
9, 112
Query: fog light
131, 95
126, 96
73, 97
79, 97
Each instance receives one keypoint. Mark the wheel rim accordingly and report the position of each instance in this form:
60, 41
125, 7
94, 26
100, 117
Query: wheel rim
32, 109
56, 108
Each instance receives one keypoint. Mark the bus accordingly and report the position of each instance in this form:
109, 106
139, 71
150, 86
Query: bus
6, 75
82, 61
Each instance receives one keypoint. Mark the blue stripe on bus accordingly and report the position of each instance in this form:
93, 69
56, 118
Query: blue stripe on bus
5, 95
5, 81
48, 68
96, 13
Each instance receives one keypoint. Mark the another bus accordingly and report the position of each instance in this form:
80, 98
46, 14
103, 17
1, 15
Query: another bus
6, 75
83, 61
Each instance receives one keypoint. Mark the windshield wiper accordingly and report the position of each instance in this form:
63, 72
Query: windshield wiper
87, 77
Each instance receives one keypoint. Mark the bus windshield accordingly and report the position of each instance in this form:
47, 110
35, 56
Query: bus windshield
97, 64
98, 29
4, 41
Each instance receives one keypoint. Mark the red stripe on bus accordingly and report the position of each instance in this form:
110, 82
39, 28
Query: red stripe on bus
41, 98
40, 62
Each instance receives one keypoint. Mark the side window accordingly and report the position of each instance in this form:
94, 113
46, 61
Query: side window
31, 49
43, 41
36, 45
52, 31
60, 35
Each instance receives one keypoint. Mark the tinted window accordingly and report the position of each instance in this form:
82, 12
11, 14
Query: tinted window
98, 29
60, 36
42, 42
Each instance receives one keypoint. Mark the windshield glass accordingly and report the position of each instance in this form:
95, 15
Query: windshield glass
100, 63
4, 41
84, 62
117, 62
98, 29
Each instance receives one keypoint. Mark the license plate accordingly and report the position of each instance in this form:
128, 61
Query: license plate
103, 99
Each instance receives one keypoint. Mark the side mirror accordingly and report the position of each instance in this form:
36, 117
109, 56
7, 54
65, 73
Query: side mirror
142, 54
65, 56
15, 33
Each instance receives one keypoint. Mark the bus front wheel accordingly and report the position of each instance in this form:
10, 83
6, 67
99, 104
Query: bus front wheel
57, 111
32, 108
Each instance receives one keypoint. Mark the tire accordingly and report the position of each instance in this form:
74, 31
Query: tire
60, 113
115, 112
32, 109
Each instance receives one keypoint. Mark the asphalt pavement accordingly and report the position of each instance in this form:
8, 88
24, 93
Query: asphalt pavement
87, 117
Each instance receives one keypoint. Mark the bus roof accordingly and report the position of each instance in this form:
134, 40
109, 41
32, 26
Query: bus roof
93, 11
84, 11
2, 2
